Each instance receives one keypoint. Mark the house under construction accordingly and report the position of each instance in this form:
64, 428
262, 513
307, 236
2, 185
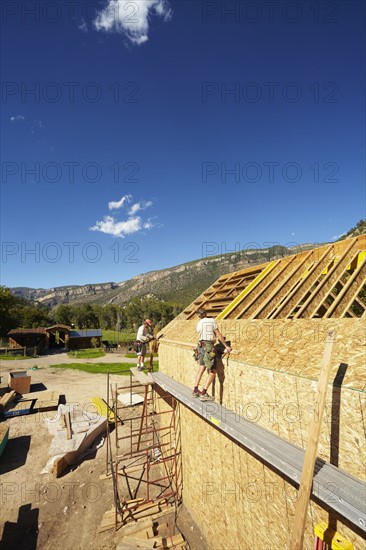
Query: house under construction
242, 456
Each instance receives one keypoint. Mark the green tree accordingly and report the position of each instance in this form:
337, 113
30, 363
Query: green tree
8, 317
108, 316
33, 316
158, 311
85, 316
64, 314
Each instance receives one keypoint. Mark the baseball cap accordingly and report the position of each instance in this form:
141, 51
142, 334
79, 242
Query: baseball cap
148, 321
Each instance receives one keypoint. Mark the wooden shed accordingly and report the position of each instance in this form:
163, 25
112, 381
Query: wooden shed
81, 339
54, 337
27, 337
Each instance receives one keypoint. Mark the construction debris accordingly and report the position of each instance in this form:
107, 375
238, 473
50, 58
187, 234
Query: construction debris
44, 400
138, 526
6, 399
68, 445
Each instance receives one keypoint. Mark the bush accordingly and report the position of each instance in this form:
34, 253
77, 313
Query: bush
95, 342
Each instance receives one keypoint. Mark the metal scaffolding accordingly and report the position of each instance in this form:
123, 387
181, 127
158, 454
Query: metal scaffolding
147, 446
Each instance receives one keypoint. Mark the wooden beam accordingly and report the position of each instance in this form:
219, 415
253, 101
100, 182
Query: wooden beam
316, 298
144, 379
6, 399
305, 284
210, 293
356, 301
259, 295
68, 425
245, 292
348, 293
311, 448
282, 289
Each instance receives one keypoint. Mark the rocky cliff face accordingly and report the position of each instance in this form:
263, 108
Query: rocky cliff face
182, 283
65, 294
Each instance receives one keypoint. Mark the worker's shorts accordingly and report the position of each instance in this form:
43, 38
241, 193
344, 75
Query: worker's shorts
206, 356
140, 349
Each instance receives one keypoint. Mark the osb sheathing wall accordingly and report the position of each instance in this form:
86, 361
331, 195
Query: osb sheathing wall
270, 380
239, 503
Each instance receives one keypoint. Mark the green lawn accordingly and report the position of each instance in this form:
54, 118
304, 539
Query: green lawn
114, 337
103, 368
89, 353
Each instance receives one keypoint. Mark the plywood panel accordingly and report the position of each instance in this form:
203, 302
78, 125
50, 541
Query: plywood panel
273, 377
270, 379
239, 502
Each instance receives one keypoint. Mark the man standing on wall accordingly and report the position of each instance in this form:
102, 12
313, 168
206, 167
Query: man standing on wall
208, 332
143, 336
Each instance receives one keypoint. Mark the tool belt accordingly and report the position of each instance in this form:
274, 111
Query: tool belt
203, 343
137, 345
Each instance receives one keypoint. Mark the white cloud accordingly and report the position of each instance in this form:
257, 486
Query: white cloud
83, 26
131, 19
111, 226
139, 206
149, 224
17, 118
115, 205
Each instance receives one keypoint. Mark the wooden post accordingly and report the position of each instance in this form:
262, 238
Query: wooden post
68, 426
306, 482
151, 362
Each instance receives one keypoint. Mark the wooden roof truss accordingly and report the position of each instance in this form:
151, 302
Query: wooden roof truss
325, 282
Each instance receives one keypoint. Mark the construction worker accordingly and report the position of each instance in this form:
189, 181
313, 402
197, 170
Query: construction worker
143, 336
208, 332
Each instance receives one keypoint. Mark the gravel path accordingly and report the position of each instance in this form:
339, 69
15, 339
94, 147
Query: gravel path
53, 359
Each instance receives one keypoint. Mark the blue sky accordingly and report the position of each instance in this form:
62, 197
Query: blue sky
140, 135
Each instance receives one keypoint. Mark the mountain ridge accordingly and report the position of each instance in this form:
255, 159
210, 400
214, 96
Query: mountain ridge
181, 283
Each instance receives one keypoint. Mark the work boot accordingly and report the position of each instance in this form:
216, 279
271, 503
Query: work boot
196, 393
206, 397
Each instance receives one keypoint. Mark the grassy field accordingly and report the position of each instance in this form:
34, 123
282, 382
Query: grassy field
89, 353
102, 368
114, 336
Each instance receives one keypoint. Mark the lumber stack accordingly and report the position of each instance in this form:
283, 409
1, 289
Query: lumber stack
44, 400
142, 526
10, 405
6, 399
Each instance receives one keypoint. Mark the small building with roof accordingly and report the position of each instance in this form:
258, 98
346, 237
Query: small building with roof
53, 337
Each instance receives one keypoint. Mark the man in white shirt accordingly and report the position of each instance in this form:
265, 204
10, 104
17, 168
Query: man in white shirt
208, 332
143, 336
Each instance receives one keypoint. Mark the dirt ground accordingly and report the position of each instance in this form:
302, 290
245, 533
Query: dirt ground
40, 511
